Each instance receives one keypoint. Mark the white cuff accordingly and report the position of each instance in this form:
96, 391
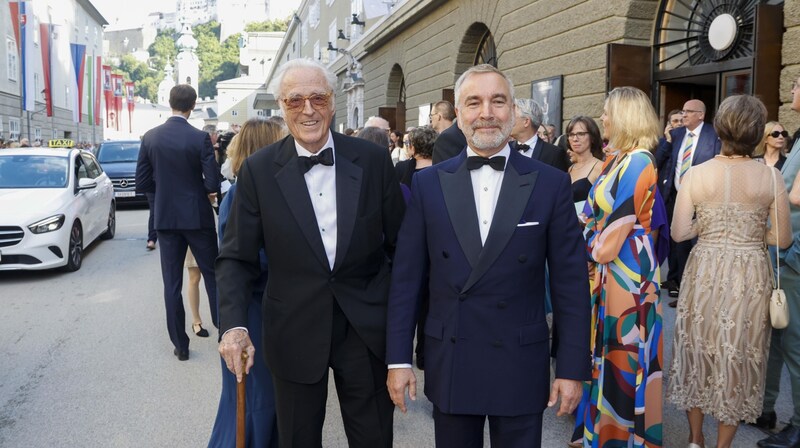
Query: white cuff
399, 366
236, 328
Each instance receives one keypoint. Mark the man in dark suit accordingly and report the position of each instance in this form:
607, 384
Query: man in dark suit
327, 209
690, 145
529, 117
483, 225
176, 163
449, 144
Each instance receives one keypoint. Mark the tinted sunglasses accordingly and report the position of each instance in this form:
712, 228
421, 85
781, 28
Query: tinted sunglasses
776, 134
317, 100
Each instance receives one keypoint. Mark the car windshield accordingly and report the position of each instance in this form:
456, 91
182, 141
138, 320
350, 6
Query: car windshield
118, 152
30, 171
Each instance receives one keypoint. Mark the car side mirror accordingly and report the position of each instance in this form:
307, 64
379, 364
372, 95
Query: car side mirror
86, 184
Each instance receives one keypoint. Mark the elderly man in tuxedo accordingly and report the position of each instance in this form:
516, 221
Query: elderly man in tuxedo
482, 225
690, 145
326, 208
529, 117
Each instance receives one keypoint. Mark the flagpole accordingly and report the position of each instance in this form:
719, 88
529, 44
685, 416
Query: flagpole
21, 73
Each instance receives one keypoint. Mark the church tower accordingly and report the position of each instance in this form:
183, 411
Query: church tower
187, 64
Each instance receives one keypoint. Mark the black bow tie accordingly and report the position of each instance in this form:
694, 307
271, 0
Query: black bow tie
522, 147
475, 162
324, 157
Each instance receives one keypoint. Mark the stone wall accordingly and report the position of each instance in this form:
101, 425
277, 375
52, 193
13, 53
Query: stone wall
534, 40
791, 63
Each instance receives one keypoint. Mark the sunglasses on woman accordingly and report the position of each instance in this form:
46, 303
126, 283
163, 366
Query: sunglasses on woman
776, 134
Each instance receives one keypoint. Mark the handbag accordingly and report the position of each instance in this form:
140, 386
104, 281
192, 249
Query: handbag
778, 309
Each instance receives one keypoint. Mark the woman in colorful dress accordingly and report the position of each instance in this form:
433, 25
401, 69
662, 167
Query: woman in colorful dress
722, 329
624, 398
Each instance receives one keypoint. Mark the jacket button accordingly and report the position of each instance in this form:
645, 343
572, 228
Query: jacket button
453, 339
497, 343
462, 297
502, 304
522, 258
332, 280
445, 254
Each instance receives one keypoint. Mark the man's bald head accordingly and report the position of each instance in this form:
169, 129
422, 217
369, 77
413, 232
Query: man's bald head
377, 122
694, 112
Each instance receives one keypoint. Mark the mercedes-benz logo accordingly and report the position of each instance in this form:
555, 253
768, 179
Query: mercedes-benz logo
123, 183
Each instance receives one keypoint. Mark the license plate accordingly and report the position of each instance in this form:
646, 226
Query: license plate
124, 194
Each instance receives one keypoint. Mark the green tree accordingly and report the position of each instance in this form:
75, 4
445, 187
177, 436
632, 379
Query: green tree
145, 79
269, 25
218, 61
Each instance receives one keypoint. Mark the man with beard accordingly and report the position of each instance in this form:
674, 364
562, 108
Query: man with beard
486, 338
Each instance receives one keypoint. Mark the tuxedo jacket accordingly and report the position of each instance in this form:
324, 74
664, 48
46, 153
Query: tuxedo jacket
668, 153
486, 338
272, 207
549, 154
176, 162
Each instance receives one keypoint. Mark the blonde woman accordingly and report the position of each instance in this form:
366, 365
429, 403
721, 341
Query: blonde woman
255, 134
772, 149
623, 406
722, 328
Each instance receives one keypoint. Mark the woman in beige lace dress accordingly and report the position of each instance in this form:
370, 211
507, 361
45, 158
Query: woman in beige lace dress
722, 326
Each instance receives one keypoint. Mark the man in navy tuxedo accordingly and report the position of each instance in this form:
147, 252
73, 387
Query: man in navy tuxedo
483, 224
691, 145
176, 163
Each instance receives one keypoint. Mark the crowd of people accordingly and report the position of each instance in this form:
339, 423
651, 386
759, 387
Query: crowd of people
525, 265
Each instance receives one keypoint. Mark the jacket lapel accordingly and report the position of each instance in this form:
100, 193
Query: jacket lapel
460, 202
537, 150
294, 189
515, 192
348, 193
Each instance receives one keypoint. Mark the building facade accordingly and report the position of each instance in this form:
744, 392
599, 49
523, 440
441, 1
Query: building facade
74, 22
566, 54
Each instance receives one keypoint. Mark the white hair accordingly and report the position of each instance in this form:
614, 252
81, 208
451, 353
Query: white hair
482, 68
531, 110
377, 122
301, 64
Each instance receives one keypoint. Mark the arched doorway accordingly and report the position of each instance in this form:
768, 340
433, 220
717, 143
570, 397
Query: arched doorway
711, 49
395, 110
477, 47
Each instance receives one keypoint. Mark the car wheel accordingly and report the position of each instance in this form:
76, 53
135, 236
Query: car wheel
75, 253
111, 229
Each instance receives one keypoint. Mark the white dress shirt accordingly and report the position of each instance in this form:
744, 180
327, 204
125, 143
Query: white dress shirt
678, 163
486, 183
321, 183
532, 143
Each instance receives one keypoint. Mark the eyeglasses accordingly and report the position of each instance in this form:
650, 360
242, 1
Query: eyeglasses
577, 134
776, 134
686, 111
430, 116
317, 100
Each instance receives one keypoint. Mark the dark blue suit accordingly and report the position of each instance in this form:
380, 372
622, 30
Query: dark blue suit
486, 338
667, 154
179, 160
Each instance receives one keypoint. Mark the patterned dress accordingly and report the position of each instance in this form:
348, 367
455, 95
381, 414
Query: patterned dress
623, 403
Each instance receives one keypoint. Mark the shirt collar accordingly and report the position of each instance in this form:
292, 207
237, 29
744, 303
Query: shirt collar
532, 141
505, 152
303, 152
180, 116
697, 130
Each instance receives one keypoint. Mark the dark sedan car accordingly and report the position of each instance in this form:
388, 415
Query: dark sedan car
118, 159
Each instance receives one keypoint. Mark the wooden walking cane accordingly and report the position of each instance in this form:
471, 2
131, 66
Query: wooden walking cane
240, 406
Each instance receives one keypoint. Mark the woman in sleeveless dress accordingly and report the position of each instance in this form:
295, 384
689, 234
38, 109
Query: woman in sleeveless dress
586, 154
722, 326
624, 406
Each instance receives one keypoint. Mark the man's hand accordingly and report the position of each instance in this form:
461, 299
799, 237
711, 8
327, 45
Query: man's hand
212, 198
233, 343
397, 381
667, 135
570, 392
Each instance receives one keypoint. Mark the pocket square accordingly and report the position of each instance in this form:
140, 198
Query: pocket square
528, 224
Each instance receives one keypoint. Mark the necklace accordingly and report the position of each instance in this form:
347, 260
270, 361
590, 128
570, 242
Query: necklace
736, 156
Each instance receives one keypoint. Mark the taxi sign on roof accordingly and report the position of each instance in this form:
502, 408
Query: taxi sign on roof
61, 143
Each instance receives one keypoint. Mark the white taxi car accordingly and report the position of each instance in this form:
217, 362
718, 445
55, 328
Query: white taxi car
53, 203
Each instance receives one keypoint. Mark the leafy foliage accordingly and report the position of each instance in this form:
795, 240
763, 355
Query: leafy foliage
269, 25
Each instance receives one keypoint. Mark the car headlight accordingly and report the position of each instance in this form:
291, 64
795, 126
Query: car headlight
47, 225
